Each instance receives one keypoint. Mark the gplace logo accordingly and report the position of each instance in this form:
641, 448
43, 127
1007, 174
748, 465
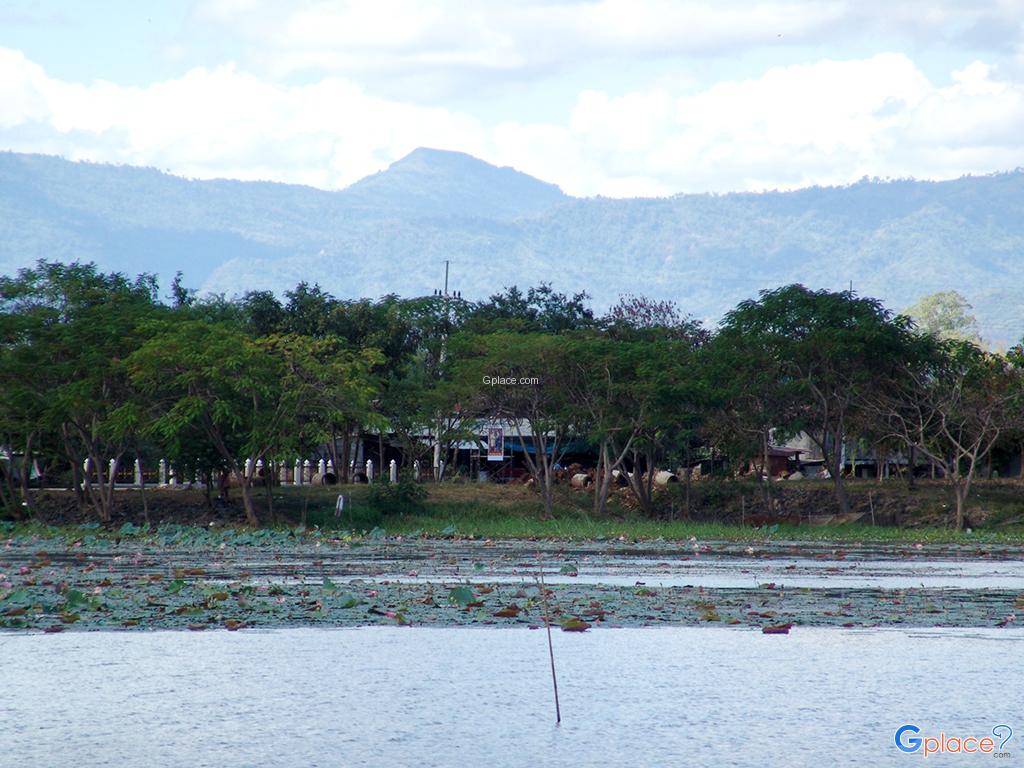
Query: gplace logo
908, 740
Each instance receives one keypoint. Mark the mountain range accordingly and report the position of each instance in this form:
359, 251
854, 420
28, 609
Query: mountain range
392, 232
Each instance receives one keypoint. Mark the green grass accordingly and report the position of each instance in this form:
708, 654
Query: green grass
515, 512
484, 523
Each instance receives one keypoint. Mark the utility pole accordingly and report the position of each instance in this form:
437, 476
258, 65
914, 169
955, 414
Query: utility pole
439, 426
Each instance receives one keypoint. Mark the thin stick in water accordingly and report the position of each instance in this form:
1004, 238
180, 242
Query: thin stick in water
551, 648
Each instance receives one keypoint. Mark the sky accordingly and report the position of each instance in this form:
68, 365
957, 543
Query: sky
620, 98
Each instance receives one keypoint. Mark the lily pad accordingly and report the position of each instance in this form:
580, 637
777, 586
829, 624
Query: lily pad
575, 625
463, 596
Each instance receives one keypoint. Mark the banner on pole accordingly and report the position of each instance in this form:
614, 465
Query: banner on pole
495, 444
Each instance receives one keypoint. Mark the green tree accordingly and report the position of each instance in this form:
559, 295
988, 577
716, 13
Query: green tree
519, 379
758, 402
337, 387
77, 324
540, 310
215, 379
262, 312
1015, 357
831, 348
945, 315
604, 385
951, 403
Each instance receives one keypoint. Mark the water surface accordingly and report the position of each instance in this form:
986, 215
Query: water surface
464, 696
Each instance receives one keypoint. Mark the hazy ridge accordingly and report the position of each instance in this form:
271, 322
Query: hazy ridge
391, 232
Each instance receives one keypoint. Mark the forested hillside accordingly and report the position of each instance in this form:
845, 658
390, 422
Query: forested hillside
392, 231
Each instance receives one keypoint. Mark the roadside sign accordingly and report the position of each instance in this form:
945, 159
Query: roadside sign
495, 444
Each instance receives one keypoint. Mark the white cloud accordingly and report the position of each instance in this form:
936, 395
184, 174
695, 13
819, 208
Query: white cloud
830, 122
431, 51
823, 122
222, 122
398, 46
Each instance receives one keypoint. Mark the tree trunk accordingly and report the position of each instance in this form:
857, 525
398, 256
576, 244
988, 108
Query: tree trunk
7, 494
604, 479
26, 465
839, 484
208, 489
142, 492
107, 490
225, 485
689, 477
97, 495
250, 510
269, 485
344, 475
76, 483
960, 491
546, 467
600, 487
637, 484
911, 466
332, 454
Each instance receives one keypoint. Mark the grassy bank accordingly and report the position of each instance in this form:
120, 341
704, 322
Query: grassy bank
718, 510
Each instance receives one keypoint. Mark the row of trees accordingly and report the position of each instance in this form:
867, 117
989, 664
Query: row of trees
98, 366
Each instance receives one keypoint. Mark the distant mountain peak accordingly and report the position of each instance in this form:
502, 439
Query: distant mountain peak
441, 182
431, 155
431, 159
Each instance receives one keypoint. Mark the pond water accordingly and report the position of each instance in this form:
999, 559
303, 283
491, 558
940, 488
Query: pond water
438, 697
718, 573
713, 565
